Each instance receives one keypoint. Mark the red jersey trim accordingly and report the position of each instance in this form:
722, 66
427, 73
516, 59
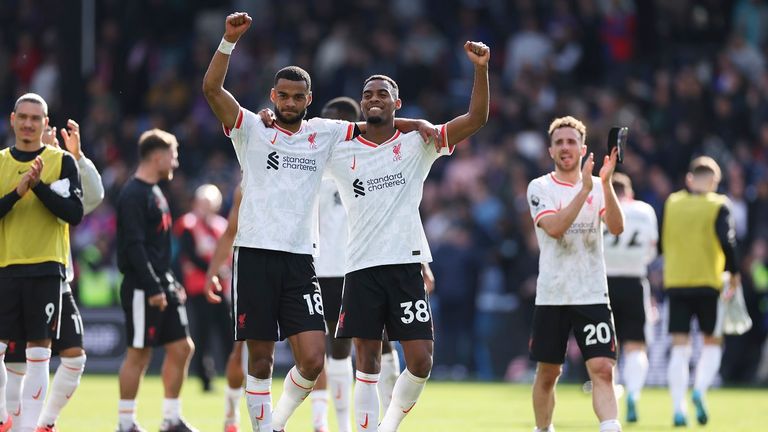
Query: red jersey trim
561, 183
373, 144
444, 136
602, 211
350, 132
286, 131
542, 214
238, 123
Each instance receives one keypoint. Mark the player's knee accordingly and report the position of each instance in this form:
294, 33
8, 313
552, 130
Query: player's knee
311, 366
421, 366
260, 367
187, 348
180, 350
601, 369
548, 376
341, 348
74, 363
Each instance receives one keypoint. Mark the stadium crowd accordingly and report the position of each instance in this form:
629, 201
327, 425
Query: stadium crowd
687, 77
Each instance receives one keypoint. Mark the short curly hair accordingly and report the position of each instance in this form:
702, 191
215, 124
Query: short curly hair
570, 122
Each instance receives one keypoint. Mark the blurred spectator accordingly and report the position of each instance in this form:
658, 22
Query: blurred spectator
198, 232
688, 78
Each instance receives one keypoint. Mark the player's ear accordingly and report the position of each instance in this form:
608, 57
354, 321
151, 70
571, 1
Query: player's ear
551, 151
309, 99
13, 117
273, 95
398, 104
583, 150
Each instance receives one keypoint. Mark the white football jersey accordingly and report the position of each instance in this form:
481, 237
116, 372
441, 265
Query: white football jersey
630, 253
381, 187
331, 261
282, 172
571, 269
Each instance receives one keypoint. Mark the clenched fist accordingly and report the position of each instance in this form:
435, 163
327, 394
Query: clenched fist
236, 24
478, 53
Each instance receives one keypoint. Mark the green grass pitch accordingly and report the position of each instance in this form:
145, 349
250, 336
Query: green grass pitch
444, 406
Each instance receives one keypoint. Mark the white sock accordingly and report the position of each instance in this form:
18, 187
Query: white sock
635, 371
339, 374
550, 428
172, 410
232, 405
612, 425
390, 371
3, 383
678, 375
35, 386
65, 382
319, 400
707, 367
13, 386
404, 397
126, 411
366, 401
258, 395
296, 388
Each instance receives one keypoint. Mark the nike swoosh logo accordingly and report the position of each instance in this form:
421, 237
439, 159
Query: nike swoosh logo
354, 162
36, 396
18, 411
23, 171
273, 139
69, 395
338, 393
409, 409
365, 424
261, 416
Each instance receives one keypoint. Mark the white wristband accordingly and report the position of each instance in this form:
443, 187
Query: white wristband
226, 47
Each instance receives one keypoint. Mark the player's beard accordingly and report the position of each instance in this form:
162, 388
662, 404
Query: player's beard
299, 117
375, 120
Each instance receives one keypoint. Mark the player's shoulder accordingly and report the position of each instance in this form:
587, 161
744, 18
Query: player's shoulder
133, 192
320, 124
52, 150
643, 206
249, 119
541, 182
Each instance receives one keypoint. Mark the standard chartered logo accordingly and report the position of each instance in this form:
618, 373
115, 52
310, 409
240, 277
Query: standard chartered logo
357, 185
378, 183
275, 162
273, 159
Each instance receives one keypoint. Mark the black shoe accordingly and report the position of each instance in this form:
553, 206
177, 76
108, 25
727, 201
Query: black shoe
179, 426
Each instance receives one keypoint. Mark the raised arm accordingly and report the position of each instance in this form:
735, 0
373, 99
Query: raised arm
614, 217
93, 189
223, 104
467, 124
222, 251
556, 224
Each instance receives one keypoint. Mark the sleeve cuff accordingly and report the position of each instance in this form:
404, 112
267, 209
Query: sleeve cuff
542, 214
238, 123
444, 138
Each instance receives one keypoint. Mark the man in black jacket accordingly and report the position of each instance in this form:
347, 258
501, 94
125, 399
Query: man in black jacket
152, 299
